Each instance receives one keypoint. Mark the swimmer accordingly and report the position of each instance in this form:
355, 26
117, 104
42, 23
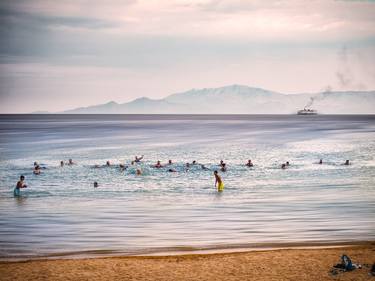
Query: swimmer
170, 162
61, 163
204, 167
194, 162
158, 165
221, 163
96, 184
249, 163
218, 182
287, 163
35, 164
71, 162
321, 161
36, 170
108, 163
123, 167
138, 159
138, 172
223, 168
347, 163
172, 170
20, 184
283, 166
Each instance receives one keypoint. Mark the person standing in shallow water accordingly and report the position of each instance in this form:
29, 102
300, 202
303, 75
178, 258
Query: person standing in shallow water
20, 184
218, 182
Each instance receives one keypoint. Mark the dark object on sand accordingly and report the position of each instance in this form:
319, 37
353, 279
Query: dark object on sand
372, 270
345, 265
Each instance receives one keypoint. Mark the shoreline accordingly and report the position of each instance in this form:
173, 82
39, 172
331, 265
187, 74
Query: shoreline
275, 264
183, 251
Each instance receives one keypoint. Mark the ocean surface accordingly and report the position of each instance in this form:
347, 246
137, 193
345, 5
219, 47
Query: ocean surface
61, 213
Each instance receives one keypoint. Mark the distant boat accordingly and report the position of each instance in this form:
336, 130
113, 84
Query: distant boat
307, 111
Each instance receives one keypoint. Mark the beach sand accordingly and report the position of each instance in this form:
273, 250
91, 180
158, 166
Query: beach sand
284, 264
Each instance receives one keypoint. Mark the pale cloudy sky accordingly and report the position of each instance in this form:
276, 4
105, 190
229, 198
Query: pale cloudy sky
56, 55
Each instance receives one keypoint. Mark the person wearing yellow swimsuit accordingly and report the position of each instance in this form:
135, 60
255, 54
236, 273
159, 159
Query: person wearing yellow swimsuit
218, 182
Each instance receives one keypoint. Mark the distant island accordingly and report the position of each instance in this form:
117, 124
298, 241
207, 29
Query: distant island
239, 99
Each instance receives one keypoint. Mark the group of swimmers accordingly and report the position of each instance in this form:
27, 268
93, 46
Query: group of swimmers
218, 181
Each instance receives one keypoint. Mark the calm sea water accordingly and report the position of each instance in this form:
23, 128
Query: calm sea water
60, 212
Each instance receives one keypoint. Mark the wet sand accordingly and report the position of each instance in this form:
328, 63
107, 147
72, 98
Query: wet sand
281, 264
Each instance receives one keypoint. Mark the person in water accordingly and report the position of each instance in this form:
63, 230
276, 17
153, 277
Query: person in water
61, 163
321, 161
249, 163
71, 162
170, 162
20, 184
218, 182
223, 168
37, 170
172, 170
138, 172
96, 184
194, 162
283, 166
123, 167
158, 165
108, 163
287, 163
138, 159
204, 167
347, 163
221, 163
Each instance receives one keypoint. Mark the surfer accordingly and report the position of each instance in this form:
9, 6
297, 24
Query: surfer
218, 182
20, 184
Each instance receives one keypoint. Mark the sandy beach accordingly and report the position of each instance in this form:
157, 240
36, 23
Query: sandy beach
284, 264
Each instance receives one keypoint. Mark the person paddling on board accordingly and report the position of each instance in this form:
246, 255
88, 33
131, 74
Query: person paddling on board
20, 184
218, 182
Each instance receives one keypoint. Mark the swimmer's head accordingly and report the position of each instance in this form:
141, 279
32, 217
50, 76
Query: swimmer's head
22, 177
169, 161
96, 184
287, 163
61, 163
321, 161
194, 162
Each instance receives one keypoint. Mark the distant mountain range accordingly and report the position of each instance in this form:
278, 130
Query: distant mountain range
238, 99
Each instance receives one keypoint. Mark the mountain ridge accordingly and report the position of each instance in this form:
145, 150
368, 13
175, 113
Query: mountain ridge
239, 99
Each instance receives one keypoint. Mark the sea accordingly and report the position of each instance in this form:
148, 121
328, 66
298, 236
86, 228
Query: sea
62, 214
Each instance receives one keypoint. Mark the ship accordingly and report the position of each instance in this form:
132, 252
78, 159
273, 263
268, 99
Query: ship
307, 111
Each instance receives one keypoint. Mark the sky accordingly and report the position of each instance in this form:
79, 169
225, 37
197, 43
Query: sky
58, 55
